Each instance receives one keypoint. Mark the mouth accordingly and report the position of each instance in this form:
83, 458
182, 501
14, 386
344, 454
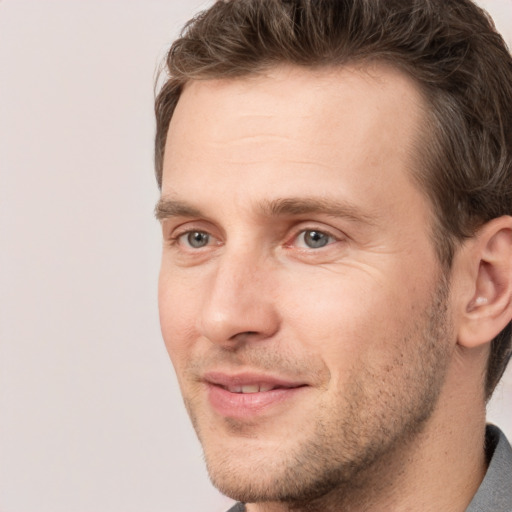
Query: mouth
245, 396
254, 388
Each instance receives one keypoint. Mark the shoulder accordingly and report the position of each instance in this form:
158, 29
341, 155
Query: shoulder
495, 492
239, 507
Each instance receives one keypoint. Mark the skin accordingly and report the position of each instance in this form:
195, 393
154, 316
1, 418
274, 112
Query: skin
368, 322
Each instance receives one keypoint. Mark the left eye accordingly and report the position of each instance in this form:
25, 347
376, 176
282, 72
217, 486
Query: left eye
195, 239
313, 239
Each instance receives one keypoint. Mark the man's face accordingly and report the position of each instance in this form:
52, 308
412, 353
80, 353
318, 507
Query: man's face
301, 300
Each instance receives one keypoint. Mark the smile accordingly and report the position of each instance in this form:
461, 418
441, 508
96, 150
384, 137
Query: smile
248, 396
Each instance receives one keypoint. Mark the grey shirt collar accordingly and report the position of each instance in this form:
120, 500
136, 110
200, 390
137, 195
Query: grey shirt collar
495, 491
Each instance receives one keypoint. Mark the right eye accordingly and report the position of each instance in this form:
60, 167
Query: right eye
194, 239
314, 239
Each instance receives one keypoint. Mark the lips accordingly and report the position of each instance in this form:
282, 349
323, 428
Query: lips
249, 395
249, 382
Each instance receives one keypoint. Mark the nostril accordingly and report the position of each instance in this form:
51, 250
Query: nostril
246, 336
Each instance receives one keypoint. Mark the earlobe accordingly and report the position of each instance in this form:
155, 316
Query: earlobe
488, 305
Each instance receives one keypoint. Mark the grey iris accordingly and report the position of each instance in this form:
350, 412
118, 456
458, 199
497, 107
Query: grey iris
315, 239
197, 239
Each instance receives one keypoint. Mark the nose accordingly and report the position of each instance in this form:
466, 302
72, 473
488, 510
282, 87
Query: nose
239, 302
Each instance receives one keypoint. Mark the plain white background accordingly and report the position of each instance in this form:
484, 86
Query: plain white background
91, 419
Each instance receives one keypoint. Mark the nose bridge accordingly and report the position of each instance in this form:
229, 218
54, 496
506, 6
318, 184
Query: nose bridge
238, 298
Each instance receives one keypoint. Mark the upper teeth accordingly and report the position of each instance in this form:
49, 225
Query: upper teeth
251, 388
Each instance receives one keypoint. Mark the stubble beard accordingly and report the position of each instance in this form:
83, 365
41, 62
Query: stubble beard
378, 417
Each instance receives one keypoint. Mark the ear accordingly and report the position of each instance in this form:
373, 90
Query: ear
486, 306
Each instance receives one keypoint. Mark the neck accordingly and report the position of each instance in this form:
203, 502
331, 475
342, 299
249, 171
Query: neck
440, 468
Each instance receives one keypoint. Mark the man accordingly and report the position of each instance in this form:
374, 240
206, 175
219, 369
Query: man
336, 282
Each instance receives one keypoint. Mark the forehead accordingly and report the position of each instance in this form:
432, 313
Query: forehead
284, 128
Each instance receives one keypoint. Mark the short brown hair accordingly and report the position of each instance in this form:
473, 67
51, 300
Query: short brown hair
450, 48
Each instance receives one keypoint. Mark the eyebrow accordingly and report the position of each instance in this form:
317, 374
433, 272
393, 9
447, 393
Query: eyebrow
167, 208
327, 206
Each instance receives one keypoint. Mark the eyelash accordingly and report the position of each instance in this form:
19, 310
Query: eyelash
194, 232
175, 239
302, 233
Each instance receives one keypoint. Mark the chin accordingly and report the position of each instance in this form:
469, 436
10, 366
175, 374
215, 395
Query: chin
297, 477
253, 469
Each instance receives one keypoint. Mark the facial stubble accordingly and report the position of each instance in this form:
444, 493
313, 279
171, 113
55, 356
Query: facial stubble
377, 416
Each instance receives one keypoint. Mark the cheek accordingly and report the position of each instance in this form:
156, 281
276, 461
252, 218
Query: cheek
177, 306
346, 321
